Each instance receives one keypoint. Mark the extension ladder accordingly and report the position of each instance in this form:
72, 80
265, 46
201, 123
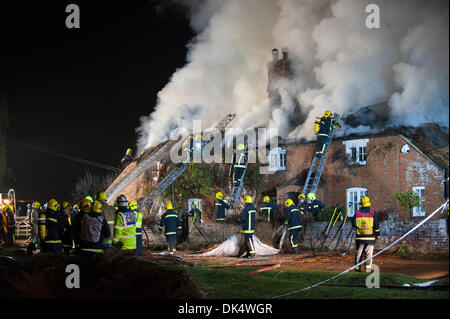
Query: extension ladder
236, 190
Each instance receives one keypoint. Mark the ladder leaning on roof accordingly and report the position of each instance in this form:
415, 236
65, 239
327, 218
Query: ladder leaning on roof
317, 165
236, 190
177, 171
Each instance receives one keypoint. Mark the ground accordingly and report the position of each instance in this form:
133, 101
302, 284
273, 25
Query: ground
188, 275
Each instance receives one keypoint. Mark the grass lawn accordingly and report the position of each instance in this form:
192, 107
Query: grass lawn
233, 283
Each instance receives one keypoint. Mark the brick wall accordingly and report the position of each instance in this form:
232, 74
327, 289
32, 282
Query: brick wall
388, 171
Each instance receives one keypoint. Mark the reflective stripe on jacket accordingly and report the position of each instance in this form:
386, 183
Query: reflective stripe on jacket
248, 219
293, 218
366, 222
171, 222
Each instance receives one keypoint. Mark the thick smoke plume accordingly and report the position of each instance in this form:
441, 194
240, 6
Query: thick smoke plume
337, 63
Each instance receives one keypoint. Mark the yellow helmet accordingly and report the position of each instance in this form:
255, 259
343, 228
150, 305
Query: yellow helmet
128, 152
64, 205
85, 205
133, 205
248, 199
365, 201
89, 198
219, 195
241, 147
312, 196
97, 207
169, 206
102, 196
288, 202
194, 204
301, 196
327, 113
53, 205
36, 205
266, 199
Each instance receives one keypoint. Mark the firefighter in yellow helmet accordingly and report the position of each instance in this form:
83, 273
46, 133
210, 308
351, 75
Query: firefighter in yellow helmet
127, 158
67, 237
239, 164
268, 210
324, 126
171, 223
248, 216
134, 207
293, 222
110, 214
36, 210
220, 207
91, 227
53, 228
367, 233
196, 213
313, 205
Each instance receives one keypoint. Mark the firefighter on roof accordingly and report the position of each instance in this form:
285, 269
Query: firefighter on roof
367, 233
323, 128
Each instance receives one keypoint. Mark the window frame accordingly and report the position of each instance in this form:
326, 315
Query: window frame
356, 147
276, 157
358, 191
417, 210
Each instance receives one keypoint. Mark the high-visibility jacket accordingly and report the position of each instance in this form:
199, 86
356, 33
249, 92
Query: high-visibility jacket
293, 217
110, 214
367, 228
170, 220
125, 229
314, 207
92, 229
55, 224
138, 223
221, 207
248, 219
268, 211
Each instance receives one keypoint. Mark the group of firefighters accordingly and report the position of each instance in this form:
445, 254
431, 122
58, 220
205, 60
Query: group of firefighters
88, 228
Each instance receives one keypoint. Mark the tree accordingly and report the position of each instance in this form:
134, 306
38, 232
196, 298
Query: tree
408, 200
90, 184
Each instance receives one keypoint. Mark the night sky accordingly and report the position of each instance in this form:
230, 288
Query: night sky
82, 91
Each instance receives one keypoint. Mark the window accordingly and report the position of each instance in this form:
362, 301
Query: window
354, 195
277, 159
419, 210
356, 151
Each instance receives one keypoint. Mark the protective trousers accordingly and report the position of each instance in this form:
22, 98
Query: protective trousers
172, 243
364, 251
249, 244
237, 175
293, 237
321, 144
139, 250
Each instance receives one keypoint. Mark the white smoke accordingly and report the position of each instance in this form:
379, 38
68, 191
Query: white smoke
338, 64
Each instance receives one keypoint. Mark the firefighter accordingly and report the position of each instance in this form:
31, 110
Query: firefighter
239, 165
325, 125
124, 226
127, 158
84, 207
367, 233
171, 223
293, 217
90, 199
91, 227
110, 214
195, 213
313, 205
4, 225
268, 210
54, 228
248, 226
221, 207
67, 236
34, 215
134, 207
11, 224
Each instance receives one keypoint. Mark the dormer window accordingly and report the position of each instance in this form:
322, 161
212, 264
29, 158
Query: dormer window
356, 151
277, 159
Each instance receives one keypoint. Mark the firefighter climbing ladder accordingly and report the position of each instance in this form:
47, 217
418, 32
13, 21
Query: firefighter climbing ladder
236, 190
315, 171
177, 171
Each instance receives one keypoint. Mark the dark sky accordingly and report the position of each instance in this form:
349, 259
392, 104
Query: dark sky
82, 91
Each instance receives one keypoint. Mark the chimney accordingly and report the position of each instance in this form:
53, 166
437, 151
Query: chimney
275, 55
284, 53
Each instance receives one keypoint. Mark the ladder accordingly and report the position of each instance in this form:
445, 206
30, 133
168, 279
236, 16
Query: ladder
236, 190
177, 171
317, 165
